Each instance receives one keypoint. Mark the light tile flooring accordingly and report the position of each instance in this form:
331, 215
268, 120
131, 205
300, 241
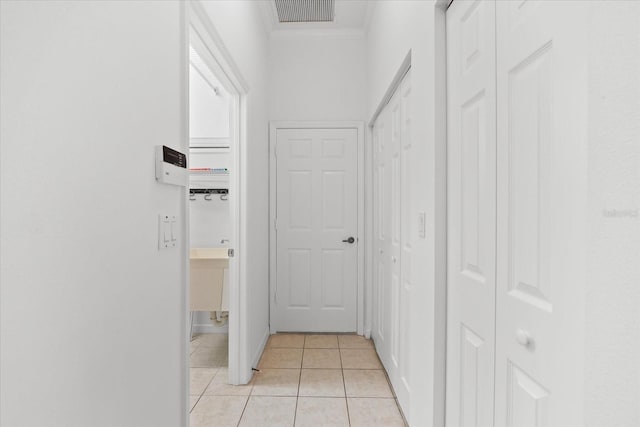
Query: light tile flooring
303, 380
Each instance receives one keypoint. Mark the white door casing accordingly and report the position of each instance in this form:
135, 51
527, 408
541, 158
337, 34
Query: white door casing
541, 143
393, 237
316, 279
203, 37
471, 185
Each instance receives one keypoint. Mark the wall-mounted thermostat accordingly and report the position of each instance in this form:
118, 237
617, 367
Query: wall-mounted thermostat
171, 166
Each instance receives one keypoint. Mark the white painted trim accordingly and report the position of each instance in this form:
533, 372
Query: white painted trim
273, 246
231, 77
329, 33
368, 232
258, 353
395, 84
441, 215
185, 338
362, 242
212, 50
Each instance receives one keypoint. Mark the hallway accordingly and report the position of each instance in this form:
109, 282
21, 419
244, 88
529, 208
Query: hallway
303, 380
458, 180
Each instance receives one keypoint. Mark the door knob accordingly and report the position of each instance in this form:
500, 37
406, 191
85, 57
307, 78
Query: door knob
349, 240
523, 337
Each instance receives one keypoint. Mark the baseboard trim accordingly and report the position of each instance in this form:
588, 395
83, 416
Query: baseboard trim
260, 349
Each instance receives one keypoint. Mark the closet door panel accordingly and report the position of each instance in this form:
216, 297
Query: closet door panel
541, 75
393, 194
472, 212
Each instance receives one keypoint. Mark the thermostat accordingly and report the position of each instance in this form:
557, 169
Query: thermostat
171, 166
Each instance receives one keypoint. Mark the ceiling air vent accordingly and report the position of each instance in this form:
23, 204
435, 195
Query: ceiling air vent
305, 10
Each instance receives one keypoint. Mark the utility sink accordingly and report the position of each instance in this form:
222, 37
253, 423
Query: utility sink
209, 253
209, 269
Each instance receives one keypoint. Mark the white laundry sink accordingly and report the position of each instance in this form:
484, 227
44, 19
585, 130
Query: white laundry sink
209, 271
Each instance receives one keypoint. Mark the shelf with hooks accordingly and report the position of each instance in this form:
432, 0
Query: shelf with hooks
208, 193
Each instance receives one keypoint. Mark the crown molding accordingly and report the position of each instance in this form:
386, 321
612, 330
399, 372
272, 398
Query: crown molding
332, 33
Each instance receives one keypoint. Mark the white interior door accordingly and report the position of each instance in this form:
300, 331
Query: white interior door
541, 98
393, 245
471, 133
316, 230
382, 229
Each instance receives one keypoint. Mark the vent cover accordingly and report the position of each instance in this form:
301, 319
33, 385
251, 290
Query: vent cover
305, 10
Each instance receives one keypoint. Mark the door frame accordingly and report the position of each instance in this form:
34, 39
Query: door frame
362, 238
217, 57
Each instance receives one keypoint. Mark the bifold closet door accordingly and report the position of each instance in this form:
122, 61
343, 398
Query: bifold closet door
471, 133
393, 249
542, 136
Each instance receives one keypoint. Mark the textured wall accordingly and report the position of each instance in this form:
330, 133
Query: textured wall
612, 344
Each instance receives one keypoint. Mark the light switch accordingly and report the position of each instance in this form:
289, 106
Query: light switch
167, 232
422, 225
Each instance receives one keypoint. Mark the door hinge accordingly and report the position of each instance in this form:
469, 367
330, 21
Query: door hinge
230, 253
275, 150
275, 223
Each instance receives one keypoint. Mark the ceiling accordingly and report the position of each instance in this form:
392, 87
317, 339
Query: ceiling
350, 16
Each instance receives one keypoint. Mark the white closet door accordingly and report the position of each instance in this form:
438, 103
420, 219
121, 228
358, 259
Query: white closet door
381, 232
392, 140
542, 92
317, 225
471, 133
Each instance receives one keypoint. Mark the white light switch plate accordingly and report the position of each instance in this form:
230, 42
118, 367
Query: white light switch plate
167, 231
422, 225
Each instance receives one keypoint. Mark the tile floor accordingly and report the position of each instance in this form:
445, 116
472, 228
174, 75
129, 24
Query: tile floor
304, 380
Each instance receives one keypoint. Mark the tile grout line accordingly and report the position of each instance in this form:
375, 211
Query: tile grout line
344, 384
244, 408
295, 412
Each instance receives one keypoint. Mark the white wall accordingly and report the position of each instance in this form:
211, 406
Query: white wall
396, 28
209, 113
612, 313
82, 111
317, 76
241, 28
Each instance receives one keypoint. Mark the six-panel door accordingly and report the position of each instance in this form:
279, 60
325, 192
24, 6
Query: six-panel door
317, 211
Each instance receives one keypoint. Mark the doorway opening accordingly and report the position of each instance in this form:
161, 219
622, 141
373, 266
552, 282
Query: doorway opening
217, 119
211, 217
